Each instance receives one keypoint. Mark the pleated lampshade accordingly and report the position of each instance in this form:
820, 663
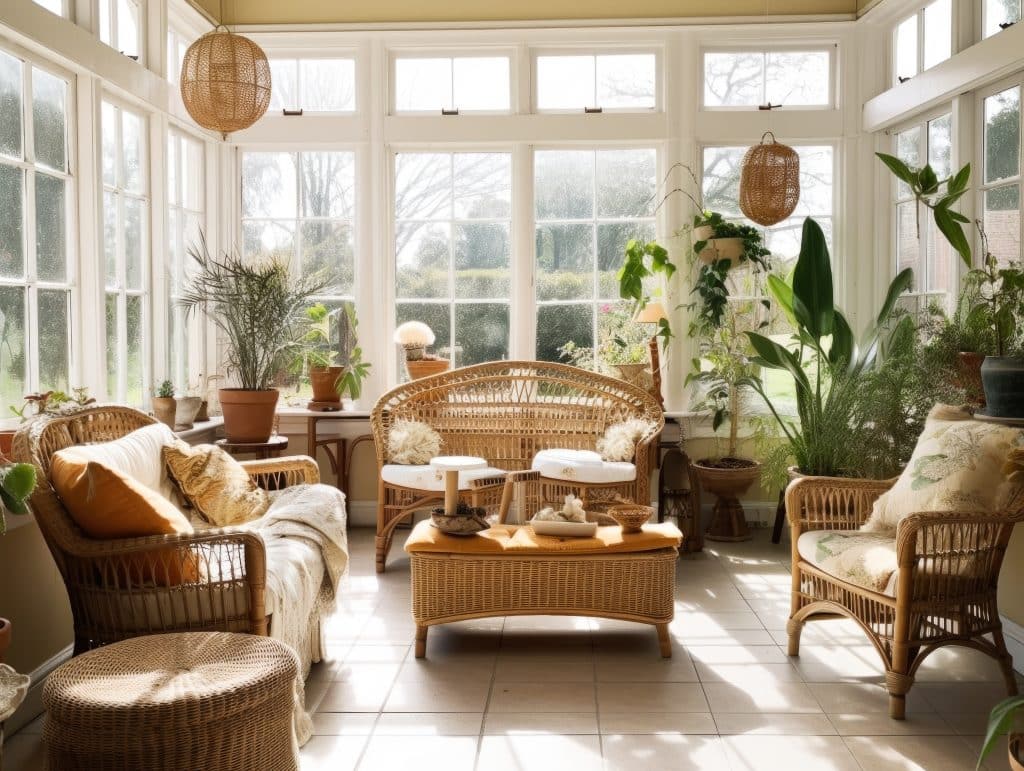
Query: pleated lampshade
769, 181
225, 81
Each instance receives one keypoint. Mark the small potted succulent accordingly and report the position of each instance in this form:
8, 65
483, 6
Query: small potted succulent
415, 337
465, 520
164, 407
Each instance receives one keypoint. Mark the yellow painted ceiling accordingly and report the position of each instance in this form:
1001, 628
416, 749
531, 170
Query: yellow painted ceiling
394, 11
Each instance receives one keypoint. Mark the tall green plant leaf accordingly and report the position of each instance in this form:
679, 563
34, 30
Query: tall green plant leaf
954, 233
812, 283
774, 356
902, 171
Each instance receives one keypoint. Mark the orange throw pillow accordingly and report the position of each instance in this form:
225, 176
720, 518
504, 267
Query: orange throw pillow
107, 504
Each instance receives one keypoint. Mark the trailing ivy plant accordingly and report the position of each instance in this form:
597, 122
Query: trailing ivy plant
644, 260
710, 285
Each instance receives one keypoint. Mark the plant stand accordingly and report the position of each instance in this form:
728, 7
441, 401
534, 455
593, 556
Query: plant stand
728, 522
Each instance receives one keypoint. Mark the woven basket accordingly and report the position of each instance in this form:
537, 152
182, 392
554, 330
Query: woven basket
418, 368
769, 181
631, 516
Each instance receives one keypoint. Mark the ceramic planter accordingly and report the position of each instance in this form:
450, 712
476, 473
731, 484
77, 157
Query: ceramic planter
165, 410
728, 522
722, 249
187, 407
325, 383
248, 415
1003, 379
703, 233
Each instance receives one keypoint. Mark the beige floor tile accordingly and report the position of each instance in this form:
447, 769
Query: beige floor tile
773, 724
429, 724
534, 667
376, 654
912, 753
880, 724
423, 753
463, 666
23, 752
787, 753
332, 753
628, 752
518, 753
967, 723
498, 723
959, 664
315, 692
365, 672
657, 723
344, 723
542, 697
752, 694
746, 654
449, 695
651, 697
960, 697
835, 663
362, 696
836, 698
647, 666
732, 673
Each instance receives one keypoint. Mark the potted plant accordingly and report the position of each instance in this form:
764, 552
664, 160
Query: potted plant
186, 408
259, 307
717, 240
331, 381
17, 481
415, 337
164, 408
957, 344
44, 402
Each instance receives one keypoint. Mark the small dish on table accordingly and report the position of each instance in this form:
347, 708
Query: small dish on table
564, 529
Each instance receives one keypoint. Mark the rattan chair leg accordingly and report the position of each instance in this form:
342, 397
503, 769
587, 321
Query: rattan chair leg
898, 684
421, 640
664, 641
793, 629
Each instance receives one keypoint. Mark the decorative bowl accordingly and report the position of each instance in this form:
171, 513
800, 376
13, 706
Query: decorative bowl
460, 523
630, 516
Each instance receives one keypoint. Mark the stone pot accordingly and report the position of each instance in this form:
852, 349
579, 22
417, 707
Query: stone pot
248, 415
187, 407
1003, 379
165, 409
5, 637
325, 383
727, 522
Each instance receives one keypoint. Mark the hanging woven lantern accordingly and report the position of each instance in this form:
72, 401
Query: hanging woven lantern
769, 181
225, 81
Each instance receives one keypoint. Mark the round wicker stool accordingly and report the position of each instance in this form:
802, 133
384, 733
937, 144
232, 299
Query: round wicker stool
198, 700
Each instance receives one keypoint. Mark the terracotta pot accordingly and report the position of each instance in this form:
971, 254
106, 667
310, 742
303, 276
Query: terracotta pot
5, 637
424, 367
164, 409
968, 375
185, 414
6, 440
722, 249
1014, 748
728, 522
325, 383
248, 415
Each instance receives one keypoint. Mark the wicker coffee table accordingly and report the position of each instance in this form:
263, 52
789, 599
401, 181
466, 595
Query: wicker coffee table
194, 700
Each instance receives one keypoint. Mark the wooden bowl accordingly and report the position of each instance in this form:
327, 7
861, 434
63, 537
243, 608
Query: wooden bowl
630, 516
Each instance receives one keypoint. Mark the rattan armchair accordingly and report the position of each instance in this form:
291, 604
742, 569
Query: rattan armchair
111, 599
506, 412
945, 589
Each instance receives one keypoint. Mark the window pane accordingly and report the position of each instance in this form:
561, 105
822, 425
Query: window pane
938, 32
565, 262
1000, 12
906, 48
483, 185
940, 258
908, 150
269, 238
625, 183
173, 164
49, 95
612, 238
113, 358
423, 186
816, 180
110, 238
269, 185
12, 250
327, 249
564, 184
109, 140
482, 254
133, 141
192, 181
423, 85
1002, 135
560, 324
940, 142
565, 82
1002, 222
51, 218
135, 349
626, 81
798, 77
12, 352
733, 79
908, 250
423, 252
106, 22
10, 106
128, 31
481, 83
134, 238
53, 6
721, 179
54, 360
328, 85
328, 183
481, 332
284, 77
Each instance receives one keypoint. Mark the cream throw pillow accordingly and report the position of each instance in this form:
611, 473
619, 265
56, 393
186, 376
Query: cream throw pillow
215, 483
412, 443
619, 441
957, 465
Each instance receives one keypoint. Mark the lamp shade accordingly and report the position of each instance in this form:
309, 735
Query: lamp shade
769, 181
651, 313
225, 81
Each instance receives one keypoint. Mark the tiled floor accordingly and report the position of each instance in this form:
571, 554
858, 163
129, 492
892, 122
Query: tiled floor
532, 693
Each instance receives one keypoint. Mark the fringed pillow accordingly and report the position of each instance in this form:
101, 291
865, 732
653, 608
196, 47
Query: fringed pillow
412, 443
217, 485
619, 441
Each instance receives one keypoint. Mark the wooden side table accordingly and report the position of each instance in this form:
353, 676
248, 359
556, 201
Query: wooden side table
272, 448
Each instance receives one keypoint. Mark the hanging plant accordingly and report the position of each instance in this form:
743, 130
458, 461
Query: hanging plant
744, 245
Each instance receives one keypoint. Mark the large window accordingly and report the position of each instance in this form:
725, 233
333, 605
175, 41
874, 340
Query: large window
35, 272
919, 244
999, 14
177, 44
126, 217
617, 81
185, 215
313, 85
453, 250
588, 204
460, 83
121, 26
923, 40
752, 79
1002, 178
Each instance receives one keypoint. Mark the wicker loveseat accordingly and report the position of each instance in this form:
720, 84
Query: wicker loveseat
506, 412
110, 598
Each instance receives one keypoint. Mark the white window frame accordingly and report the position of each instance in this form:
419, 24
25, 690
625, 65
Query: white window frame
598, 51
297, 55
115, 42
398, 52
833, 74
919, 14
982, 185
982, 21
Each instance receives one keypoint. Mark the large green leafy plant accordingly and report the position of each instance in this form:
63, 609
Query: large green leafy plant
318, 352
17, 481
824, 359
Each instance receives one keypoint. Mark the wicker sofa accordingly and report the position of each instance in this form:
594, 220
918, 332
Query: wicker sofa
110, 601
506, 412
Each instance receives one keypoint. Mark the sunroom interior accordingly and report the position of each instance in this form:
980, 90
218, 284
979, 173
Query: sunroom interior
486, 170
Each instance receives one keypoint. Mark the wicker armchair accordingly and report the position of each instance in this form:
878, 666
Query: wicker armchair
945, 588
506, 412
105, 579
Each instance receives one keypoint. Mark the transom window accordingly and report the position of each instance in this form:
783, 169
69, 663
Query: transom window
998, 15
36, 279
121, 26
1002, 178
614, 81
313, 85
452, 83
923, 40
751, 79
53, 6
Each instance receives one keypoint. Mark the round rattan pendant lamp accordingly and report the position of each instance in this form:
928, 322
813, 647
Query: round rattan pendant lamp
769, 181
225, 81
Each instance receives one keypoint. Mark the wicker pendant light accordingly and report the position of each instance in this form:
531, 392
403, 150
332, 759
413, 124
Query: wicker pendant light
225, 81
769, 181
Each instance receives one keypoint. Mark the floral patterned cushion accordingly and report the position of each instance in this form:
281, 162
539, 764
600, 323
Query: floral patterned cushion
957, 465
864, 559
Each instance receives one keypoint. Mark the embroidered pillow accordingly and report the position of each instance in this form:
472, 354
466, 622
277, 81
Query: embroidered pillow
619, 441
957, 465
216, 485
412, 443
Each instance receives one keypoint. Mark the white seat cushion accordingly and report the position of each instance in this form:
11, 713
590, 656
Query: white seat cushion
431, 479
137, 455
582, 466
858, 557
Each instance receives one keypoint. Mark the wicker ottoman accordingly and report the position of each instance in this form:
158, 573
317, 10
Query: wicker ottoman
194, 700
508, 570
